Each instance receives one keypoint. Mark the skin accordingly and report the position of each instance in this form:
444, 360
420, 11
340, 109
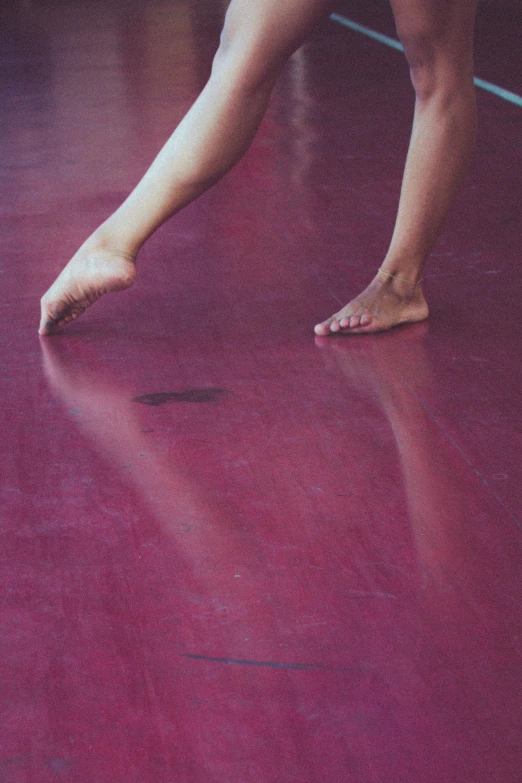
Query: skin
256, 42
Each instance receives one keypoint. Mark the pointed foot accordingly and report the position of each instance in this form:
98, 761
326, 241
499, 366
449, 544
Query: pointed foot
89, 275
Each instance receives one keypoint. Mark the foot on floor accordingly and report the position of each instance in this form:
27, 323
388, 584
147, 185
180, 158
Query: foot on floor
385, 303
92, 272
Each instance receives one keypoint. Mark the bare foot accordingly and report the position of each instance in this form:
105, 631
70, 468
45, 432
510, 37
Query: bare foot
92, 272
387, 302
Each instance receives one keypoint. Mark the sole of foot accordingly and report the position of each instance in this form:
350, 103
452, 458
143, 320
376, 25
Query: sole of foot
89, 275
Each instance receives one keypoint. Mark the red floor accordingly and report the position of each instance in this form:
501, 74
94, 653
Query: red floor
231, 553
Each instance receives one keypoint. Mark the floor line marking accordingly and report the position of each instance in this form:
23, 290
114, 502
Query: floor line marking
500, 92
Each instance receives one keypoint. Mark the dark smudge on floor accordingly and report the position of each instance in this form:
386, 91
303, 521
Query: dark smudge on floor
190, 395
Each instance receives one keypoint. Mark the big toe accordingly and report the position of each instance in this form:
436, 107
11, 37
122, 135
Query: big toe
45, 328
46, 324
322, 329
49, 317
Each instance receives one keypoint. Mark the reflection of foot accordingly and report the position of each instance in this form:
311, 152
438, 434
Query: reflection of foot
92, 272
384, 304
393, 361
78, 377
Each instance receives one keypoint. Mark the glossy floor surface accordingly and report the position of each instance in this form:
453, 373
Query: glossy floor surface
232, 553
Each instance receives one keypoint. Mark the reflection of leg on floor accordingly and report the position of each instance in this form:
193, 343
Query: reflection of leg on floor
196, 630
395, 371
112, 422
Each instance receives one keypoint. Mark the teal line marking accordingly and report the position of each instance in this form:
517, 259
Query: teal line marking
500, 92
366, 31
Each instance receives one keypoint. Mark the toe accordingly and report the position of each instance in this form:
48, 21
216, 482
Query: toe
46, 327
340, 323
322, 329
46, 321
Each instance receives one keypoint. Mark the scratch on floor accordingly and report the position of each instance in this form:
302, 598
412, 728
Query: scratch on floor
271, 664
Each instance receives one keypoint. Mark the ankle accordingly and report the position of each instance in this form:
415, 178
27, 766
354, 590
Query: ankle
402, 287
107, 238
411, 277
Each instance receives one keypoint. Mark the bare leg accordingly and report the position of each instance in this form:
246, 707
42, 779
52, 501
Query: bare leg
438, 40
257, 39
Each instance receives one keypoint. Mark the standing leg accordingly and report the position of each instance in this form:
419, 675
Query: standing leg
437, 36
257, 39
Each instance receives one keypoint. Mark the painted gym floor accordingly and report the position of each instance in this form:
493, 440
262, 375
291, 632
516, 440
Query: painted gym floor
232, 552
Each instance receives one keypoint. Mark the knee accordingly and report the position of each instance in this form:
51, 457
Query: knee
436, 65
420, 53
227, 54
243, 60
229, 36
